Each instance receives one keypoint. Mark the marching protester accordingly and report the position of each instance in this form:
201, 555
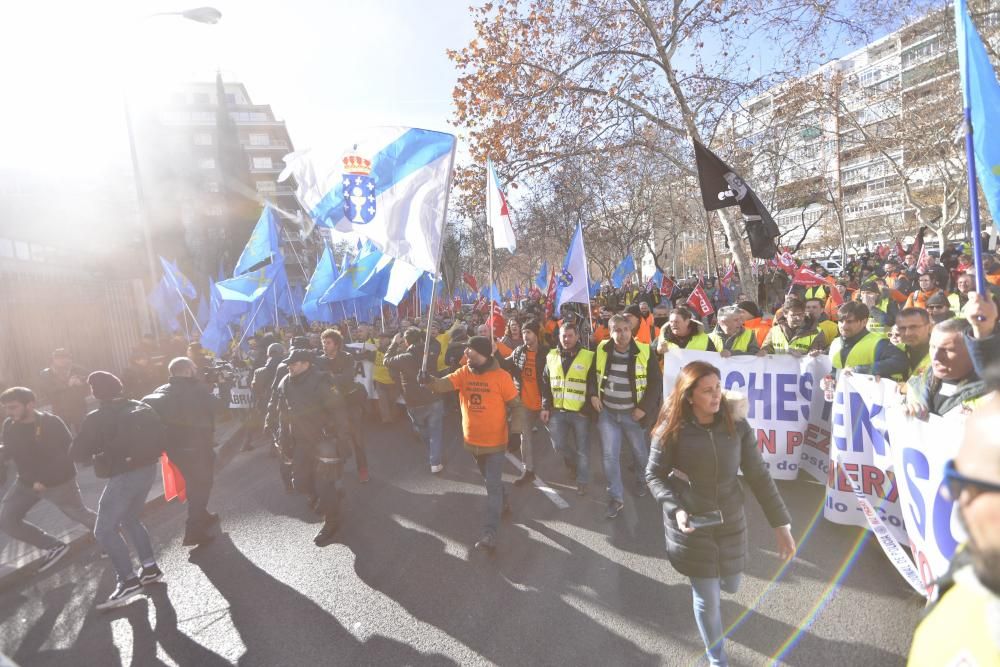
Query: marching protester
187, 409
731, 337
754, 320
485, 392
951, 380
794, 332
815, 309
260, 387
38, 444
701, 444
914, 328
342, 366
316, 432
565, 410
983, 340
881, 314
860, 350
526, 365
425, 409
625, 388
684, 332
63, 385
927, 287
123, 439
939, 308
386, 389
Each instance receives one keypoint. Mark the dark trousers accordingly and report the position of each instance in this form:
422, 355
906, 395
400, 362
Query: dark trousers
198, 468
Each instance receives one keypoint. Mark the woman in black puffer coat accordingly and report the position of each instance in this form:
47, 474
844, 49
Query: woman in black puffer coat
699, 446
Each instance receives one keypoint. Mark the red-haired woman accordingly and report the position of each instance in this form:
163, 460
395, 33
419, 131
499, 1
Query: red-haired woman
700, 442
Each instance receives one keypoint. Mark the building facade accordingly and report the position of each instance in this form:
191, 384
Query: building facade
866, 148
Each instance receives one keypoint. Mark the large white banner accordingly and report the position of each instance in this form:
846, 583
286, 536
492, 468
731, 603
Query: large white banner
786, 406
861, 450
919, 453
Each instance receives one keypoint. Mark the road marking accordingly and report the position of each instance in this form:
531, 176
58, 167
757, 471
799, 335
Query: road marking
540, 484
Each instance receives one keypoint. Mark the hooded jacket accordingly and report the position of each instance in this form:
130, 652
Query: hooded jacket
711, 458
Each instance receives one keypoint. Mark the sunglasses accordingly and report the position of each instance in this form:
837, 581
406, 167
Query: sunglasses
955, 482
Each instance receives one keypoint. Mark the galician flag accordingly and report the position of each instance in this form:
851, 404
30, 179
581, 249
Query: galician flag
574, 280
497, 213
390, 186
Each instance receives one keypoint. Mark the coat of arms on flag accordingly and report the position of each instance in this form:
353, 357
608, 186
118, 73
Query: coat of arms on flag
359, 189
565, 278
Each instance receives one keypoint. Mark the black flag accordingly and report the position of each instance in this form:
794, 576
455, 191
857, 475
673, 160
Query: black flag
722, 187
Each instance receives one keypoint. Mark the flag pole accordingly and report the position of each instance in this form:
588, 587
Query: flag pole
253, 319
444, 225
970, 158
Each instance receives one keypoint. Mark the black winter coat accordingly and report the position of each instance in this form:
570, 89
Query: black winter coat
405, 362
187, 409
309, 407
711, 458
128, 433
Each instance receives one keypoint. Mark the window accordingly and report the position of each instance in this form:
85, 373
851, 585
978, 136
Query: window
231, 98
6, 248
215, 211
39, 253
260, 139
200, 98
22, 250
267, 186
262, 163
203, 139
212, 186
206, 163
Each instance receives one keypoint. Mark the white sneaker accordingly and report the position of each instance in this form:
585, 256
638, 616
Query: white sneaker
436, 469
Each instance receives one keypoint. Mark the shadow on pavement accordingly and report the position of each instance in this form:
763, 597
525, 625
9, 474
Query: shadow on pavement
298, 632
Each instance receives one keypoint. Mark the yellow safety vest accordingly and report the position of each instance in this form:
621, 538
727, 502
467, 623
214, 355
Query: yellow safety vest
959, 630
741, 343
381, 374
781, 344
862, 354
444, 339
817, 292
569, 391
829, 329
956, 304
699, 341
641, 360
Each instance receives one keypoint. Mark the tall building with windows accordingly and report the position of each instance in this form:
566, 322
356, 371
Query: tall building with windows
867, 147
211, 158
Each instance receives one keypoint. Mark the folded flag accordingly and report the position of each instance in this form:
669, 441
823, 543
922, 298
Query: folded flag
497, 212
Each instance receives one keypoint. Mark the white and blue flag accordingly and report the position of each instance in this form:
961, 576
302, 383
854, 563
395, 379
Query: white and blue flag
390, 186
574, 280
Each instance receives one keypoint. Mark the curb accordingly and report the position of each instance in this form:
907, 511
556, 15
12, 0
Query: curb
225, 453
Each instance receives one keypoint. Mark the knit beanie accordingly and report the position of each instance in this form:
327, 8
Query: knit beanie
750, 307
482, 345
634, 310
104, 385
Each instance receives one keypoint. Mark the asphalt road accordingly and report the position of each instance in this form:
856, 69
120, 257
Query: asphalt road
403, 585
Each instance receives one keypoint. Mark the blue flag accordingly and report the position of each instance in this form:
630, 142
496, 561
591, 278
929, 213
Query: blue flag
322, 278
574, 281
264, 243
402, 278
167, 305
348, 285
595, 289
542, 280
494, 294
249, 287
624, 270
981, 93
177, 280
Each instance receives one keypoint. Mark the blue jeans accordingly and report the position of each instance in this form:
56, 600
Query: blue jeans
561, 423
491, 467
708, 613
118, 511
613, 425
428, 422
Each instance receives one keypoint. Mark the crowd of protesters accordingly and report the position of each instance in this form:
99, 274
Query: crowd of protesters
523, 376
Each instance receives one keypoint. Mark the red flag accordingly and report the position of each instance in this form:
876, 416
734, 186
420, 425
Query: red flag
666, 287
535, 293
700, 302
808, 277
470, 280
835, 295
882, 251
726, 279
923, 259
480, 305
456, 305
173, 481
900, 252
550, 299
787, 263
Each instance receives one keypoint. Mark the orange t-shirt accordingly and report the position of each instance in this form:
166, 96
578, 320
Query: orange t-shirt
530, 395
483, 397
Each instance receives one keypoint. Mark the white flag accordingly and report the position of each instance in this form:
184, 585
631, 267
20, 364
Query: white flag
574, 281
497, 213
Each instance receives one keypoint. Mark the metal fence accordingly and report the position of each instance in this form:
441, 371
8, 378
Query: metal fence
99, 321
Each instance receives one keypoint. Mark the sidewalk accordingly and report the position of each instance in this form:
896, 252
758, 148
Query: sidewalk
15, 555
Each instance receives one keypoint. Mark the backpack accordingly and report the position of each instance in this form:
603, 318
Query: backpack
135, 439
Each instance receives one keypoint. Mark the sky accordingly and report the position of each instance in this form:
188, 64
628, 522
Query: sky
324, 67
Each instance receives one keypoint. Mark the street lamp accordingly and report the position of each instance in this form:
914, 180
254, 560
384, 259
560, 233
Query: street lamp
209, 15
